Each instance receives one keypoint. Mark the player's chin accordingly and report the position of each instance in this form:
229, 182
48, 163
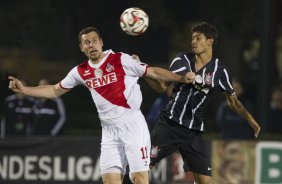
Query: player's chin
196, 51
93, 57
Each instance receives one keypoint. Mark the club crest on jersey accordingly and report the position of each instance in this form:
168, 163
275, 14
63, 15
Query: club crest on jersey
208, 78
154, 151
98, 73
109, 67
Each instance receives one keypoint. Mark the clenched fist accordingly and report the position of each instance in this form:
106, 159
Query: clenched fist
15, 84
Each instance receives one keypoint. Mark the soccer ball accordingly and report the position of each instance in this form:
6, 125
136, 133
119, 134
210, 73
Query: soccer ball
134, 21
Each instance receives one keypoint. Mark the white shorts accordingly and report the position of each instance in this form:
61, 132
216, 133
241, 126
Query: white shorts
126, 143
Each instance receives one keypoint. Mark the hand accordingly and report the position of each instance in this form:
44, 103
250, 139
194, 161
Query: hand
255, 126
189, 77
15, 85
135, 57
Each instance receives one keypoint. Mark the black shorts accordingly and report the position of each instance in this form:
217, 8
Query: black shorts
168, 137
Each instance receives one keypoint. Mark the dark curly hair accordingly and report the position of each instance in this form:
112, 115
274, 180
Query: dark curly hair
207, 29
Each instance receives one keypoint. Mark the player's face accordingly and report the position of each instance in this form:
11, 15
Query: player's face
91, 45
200, 44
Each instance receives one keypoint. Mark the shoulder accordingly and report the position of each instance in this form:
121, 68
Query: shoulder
182, 63
221, 66
82, 65
128, 60
124, 56
188, 55
184, 56
114, 56
79, 69
221, 63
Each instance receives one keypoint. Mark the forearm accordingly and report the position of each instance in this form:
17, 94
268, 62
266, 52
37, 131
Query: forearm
241, 111
237, 106
46, 91
163, 75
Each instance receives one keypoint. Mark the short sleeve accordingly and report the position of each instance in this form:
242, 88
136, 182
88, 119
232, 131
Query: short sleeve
181, 64
133, 67
71, 80
225, 81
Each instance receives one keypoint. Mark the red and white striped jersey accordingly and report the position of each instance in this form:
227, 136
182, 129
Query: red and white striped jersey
112, 83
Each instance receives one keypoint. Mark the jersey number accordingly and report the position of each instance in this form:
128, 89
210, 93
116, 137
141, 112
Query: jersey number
144, 152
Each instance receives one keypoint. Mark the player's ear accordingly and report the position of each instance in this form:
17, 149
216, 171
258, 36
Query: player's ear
210, 42
81, 48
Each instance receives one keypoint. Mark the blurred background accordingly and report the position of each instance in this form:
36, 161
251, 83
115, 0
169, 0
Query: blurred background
39, 40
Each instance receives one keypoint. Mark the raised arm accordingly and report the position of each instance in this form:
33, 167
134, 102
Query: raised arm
45, 91
238, 107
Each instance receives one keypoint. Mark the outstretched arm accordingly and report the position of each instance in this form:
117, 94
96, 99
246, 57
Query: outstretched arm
45, 91
159, 78
157, 85
238, 107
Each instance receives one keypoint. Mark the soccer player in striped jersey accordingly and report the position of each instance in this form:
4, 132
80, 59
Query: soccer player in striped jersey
180, 126
112, 79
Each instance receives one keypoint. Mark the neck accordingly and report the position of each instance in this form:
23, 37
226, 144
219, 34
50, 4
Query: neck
204, 58
99, 59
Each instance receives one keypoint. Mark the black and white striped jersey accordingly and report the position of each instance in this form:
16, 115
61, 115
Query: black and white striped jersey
188, 101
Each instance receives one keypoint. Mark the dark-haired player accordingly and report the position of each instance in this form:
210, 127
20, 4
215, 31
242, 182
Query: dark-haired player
180, 126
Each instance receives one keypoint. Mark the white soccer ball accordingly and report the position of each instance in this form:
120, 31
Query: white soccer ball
134, 21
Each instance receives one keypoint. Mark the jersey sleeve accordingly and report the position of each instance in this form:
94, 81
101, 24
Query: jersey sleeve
180, 64
71, 80
133, 67
225, 81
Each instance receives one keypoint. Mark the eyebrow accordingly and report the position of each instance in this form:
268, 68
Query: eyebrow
89, 39
197, 35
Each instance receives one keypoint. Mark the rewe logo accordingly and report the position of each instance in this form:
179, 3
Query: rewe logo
101, 81
269, 163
